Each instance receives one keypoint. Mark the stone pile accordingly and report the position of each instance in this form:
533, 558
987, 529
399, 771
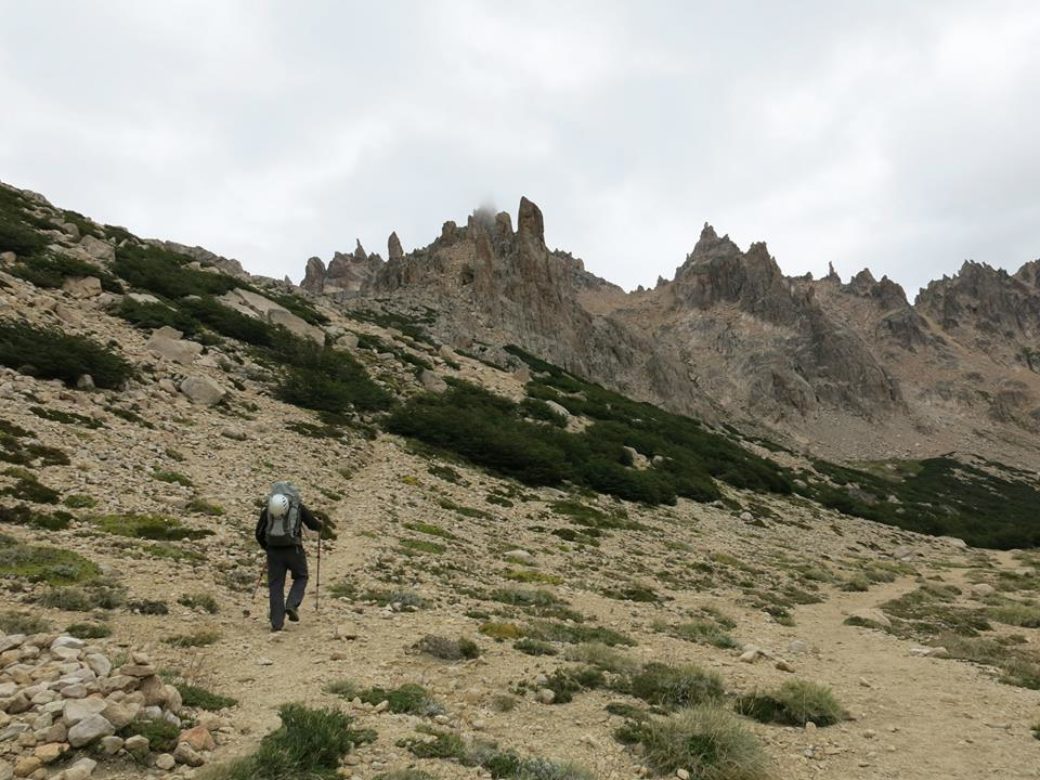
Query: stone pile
58, 695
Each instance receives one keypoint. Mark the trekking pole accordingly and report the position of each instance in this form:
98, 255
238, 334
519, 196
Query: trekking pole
256, 587
317, 587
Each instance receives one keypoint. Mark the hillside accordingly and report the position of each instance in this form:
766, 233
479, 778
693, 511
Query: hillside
515, 554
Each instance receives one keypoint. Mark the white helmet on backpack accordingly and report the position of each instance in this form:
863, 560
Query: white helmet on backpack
277, 506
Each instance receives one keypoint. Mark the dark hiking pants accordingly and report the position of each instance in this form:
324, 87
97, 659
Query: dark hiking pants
279, 561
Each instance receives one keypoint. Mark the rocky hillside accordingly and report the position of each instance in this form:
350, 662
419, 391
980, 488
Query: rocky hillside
524, 574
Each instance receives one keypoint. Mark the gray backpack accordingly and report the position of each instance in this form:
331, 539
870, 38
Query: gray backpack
284, 531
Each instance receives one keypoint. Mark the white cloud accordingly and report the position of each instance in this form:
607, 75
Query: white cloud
890, 135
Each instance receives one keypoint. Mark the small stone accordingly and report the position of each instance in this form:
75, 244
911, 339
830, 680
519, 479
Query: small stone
111, 745
165, 762
264, 661
198, 738
27, 766
869, 734
783, 666
546, 696
982, 589
186, 754
89, 729
81, 770
50, 752
137, 745
810, 727
682, 774
383, 706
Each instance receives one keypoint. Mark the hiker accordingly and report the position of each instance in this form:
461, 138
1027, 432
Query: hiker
280, 532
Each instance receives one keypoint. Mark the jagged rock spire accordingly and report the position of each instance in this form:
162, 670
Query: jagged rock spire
394, 247
529, 221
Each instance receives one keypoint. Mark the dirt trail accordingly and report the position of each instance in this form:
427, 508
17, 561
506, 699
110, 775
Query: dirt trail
914, 717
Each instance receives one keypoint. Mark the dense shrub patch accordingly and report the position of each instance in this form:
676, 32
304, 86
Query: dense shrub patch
50, 354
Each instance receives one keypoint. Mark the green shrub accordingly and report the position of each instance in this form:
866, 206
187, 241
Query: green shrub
172, 477
448, 649
795, 703
405, 774
602, 657
422, 546
66, 418
79, 501
203, 601
199, 638
444, 744
161, 734
1017, 614
703, 632
88, 630
202, 699
532, 576
203, 507
707, 741
167, 274
566, 682
50, 270
531, 646
28, 488
52, 565
153, 315
20, 514
154, 527
676, 686
501, 631
148, 607
83, 599
574, 634
20, 623
17, 233
51, 354
408, 698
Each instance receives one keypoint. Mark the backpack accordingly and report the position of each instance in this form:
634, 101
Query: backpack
285, 531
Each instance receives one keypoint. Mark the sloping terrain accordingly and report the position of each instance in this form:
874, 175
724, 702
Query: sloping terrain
558, 568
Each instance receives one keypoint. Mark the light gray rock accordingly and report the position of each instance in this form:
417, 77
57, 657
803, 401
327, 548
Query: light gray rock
84, 287
90, 729
176, 350
431, 382
76, 710
296, 325
186, 754
137, 745
81, 770
98, 249
202, 390
111, 745
982, 589
99, 664
165, 762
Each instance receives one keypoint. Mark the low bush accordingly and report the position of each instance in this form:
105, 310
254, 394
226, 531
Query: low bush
675, 686
201, 506
448, 649
50, 270
408, 698
405, 774
794, 703
603, 657
309, 745
21, 623
161, 734
530, 646
202, 699
1017, 614
79, 501
88, 630
707, 741
27, 487
574, 634
66, 418
200, 638
565, 682
201, 601
20, 514
704, 632
153, 527
51, 354
172, 477
52, 565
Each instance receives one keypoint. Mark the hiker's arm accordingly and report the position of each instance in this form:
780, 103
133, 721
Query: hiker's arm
309, 519
260, 527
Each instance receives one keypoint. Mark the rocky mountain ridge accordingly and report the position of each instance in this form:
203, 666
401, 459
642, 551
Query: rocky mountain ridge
730, 337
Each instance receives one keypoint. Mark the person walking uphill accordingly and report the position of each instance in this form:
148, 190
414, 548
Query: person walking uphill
280, 532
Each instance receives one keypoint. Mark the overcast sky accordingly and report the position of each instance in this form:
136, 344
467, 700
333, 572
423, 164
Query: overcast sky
899, 136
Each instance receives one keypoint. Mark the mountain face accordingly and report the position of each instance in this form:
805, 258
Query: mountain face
853, 369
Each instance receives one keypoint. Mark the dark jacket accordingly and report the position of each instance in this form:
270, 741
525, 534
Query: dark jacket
306, 516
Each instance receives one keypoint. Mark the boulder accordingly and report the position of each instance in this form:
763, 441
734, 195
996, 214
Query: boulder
296, 325
530, 222
202, 390
137, 746
82, 287
982, 589
165, 762
76, 710
98, 249
154, 692
432, 382
90, 729
314, 276
176, 350
81, 770
186, 754
120, 714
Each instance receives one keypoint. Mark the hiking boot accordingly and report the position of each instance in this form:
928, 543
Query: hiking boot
292, 614
275, 629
